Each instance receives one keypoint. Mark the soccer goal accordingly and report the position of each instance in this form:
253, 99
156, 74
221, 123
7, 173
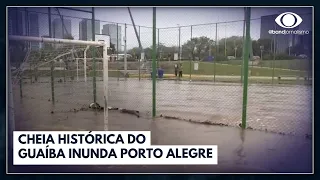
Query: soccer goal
56, 71
85, 66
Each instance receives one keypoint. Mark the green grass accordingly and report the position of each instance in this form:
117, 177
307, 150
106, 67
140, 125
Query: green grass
296, 64
206, 68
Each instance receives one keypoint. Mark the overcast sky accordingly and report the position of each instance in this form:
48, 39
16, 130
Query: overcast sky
173, 17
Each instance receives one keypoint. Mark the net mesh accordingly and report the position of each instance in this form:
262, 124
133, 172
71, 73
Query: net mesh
57, 73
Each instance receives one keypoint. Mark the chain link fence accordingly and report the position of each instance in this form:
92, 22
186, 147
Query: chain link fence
200, 70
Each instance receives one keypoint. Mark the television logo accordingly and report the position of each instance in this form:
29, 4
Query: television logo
288, 20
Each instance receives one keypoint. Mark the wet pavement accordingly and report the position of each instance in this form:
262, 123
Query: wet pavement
239, 151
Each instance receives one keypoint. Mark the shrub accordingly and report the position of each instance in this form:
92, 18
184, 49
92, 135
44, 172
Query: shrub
283, 56
220, 58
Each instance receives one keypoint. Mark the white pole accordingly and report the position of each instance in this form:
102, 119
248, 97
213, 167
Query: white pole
77, 61
85, 63
125, 51
55, 41
105, 85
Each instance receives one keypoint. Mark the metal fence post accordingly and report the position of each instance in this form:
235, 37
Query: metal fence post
93, 58
154, 64
52, 63
179, 45
274, 53
28, 43
191, 57
243, 40
118, 73
214, 61
158, 55
11, 115
63, 30
65, 71
52, 81
125, 52
20, 85
140, 59
246, 64
225, 41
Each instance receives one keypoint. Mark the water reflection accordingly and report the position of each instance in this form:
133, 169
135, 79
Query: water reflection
240, 149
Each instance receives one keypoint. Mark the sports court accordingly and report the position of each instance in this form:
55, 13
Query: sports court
239, 151
231, 76
278, 109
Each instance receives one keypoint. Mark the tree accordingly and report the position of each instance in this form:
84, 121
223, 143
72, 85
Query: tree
166, 52
231, 45
148, 52
198, 47
267, 45
135, 52
112, 49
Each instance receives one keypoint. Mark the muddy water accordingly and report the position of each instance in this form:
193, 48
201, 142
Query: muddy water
239, 151
273, 108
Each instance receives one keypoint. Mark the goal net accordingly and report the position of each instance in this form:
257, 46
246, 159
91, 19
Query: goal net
58, 76
85, 67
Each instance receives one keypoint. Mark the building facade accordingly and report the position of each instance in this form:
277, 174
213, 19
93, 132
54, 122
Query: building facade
85, 29
113, 31
22, 23
15, 22
34, 29
61, 28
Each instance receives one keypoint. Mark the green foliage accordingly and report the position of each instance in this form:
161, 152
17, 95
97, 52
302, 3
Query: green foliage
227, 46
284, 56
198, 47
220, 58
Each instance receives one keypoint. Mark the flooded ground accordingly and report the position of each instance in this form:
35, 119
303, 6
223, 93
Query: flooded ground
276, 108
239, 151
281, 109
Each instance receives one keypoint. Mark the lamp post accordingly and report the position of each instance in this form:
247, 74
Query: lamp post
210, 47
289, 50
179, 43
261, 50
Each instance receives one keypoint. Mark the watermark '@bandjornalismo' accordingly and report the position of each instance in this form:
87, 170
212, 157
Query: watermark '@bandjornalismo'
288, 20
298, 32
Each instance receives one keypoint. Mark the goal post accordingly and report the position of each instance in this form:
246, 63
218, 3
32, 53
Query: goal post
82, 64
59, 50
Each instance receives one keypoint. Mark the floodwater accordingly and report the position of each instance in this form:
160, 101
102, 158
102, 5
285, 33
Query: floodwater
238, 151
275, 108
281, 109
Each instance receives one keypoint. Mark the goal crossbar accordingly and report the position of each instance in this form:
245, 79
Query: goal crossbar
55, 41
74, 42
